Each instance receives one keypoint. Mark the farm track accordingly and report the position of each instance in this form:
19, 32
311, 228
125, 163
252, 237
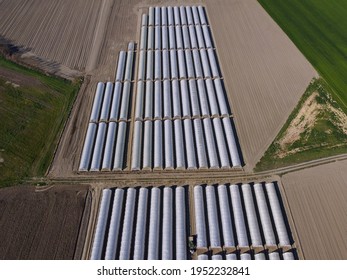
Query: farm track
183, 177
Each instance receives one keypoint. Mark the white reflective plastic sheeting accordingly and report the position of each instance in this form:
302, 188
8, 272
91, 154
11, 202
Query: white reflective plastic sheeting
212, 215
200, 36
212, 98
154, 222
277, 215
106, 104
137, 146
98, 98
113, 233
139, 100
124, 108
185, 99
158, 106
186, 39
151, 16
231, 142
193, 39
144, 20
98, 147
205, 111
163, 16
149, 65
141, 72
147, 145
167, 99
201, 238
166, 65
189, 140
239, 219
120, 146
109, 147
172, 38
129, 62
167, 236
149, 100
158, 145
177, 16
196, 15
181, 231
150, 38
121, 66
128, 222
173, 64
157, 65
169, 145
203, 257
140, 231
269, 235
190, 19
207, 36
213, 63
164, 38
288, 256
217, 257
100, 229
245, 257
179, 147
222, 101
179, 39
203, 19
251, 215
176, 99
231, 257
170, 14
210, 144
183, 15
182, 64
200, 144
197, 64
274, 256
157, 16
260, 257
115, 107
143, 39
227, 224
88, 147
221, 144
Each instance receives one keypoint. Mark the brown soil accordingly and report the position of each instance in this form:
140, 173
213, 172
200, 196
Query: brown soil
41, 223
317, 201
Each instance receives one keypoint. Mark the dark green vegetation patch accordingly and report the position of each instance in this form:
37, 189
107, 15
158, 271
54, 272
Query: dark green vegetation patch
319, 29
33, 110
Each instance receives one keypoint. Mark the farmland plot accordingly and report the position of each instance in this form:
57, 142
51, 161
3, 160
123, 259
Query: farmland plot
317, 200
43, 224
61, 31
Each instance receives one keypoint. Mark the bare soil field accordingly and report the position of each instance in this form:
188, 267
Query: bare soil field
59, 31
43, 223
317, 200
265, 74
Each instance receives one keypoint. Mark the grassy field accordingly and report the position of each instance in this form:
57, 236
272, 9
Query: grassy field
316, 128
33, 110
318, 29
